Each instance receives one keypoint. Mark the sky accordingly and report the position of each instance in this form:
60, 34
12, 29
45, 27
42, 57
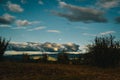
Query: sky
59, 21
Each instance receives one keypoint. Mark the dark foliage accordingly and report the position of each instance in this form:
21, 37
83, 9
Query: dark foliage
25, 57
105, 51
63, 57
44, 58
3, 45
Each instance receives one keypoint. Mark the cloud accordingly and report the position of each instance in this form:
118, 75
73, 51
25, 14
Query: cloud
102, 33
37, 28
84, 14
71, 47
53, 31
117, 19
47, 47
88, 34
107, 4
6, 19
18, 28
107, 32
25, 22
4, 25
14, 7
40, 2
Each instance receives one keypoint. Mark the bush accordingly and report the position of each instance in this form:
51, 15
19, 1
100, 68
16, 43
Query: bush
63, 57
3, 46
105, 51
25, 57
44, 58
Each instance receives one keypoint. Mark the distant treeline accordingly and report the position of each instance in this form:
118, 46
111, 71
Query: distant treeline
103, 52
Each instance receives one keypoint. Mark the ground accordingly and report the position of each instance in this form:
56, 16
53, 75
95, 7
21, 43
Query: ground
39, 71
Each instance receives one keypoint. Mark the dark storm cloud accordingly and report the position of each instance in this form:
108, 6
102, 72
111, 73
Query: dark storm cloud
6, 19
47, 47
83, 14
117, 20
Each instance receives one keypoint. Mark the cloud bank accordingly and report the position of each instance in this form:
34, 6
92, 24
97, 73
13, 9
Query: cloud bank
47, 47
83, 14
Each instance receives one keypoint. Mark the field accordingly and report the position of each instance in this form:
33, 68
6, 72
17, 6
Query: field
39, 71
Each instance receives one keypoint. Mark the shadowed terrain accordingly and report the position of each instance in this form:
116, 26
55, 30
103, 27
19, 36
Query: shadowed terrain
38, 71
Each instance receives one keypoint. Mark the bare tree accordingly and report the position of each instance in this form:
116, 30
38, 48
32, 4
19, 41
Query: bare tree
3, 46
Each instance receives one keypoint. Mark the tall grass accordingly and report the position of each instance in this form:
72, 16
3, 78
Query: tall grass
40, 71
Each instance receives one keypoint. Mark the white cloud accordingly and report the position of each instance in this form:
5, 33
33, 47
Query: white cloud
53, 31
83, 48
19, 28
22, 23
107, 32
14, 7
40, 2
88, 34
37, 28
4, 25
102, 33
62, 4
107, 4
77, 13
6, 19
25, 22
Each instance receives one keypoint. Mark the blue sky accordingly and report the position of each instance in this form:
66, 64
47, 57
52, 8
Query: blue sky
59, 21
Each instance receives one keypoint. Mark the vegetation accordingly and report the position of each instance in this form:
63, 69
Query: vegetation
39, 71
63, 57
104, 52
44, 58
3, 45
25, 57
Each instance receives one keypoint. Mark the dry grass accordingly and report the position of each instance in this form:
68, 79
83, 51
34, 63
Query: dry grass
38, 71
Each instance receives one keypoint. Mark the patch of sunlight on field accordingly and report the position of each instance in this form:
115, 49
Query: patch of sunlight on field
49, 58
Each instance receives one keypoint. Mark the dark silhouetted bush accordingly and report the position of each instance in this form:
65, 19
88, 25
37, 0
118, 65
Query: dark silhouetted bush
63, 57
105, 51
25, 57
44, 58
3, 45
